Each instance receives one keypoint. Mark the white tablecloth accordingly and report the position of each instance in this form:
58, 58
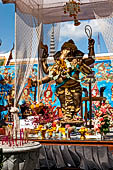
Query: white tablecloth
21, 158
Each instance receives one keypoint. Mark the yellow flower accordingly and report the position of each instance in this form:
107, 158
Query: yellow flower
37, 105
32, 106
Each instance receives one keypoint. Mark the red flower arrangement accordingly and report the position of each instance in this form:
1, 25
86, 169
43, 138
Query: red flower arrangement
102, 118
45, 114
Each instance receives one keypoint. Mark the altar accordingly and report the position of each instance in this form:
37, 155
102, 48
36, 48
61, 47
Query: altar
60, 154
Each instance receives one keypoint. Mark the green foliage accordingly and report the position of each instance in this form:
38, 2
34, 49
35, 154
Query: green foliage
2, 62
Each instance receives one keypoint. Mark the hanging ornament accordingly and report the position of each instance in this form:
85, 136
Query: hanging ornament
73, 7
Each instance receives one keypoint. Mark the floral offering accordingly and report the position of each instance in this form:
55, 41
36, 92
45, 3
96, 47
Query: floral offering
44, 113
102, 118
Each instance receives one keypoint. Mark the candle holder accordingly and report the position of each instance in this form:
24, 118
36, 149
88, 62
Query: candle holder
83, 131
43, 132
50, 131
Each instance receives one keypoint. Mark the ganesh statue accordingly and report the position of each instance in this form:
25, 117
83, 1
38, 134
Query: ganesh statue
69, 62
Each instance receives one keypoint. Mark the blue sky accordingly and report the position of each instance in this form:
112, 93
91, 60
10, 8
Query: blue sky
6, 26
67, 31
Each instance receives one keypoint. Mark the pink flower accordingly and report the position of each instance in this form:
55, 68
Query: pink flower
97, 114
97, 104
67, 126
105, 116
102, 123
101, 119
99, 125
98, 130
102, 109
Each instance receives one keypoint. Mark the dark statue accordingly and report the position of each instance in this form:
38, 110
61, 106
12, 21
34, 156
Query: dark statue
69, 62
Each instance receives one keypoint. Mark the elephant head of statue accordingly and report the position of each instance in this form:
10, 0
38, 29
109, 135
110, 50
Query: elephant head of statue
71, 50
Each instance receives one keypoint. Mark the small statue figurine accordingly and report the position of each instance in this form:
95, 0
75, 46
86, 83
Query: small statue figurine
69, 62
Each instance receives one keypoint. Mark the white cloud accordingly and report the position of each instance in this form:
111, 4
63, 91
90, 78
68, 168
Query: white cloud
68, 30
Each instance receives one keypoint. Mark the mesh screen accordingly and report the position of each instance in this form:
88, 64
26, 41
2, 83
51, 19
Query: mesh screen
47, 30
28, 33
106, 28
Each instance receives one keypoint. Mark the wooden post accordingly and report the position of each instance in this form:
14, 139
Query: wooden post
35, 92
86, 95
82, 109
90, 100
86, 112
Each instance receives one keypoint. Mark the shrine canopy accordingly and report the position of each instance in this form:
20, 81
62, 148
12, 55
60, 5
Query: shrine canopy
52, 11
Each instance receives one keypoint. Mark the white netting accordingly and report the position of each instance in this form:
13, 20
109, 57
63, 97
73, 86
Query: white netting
106, 29
52, 11
28, 33
47, 30
56, 34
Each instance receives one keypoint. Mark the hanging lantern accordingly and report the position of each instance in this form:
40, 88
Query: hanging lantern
73, 7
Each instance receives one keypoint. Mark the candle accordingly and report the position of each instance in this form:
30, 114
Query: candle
16, 139
20, 137
12, 141
7, 140
25, 135
2, 141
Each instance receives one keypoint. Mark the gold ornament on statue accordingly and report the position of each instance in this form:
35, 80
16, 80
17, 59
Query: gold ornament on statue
73, 7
